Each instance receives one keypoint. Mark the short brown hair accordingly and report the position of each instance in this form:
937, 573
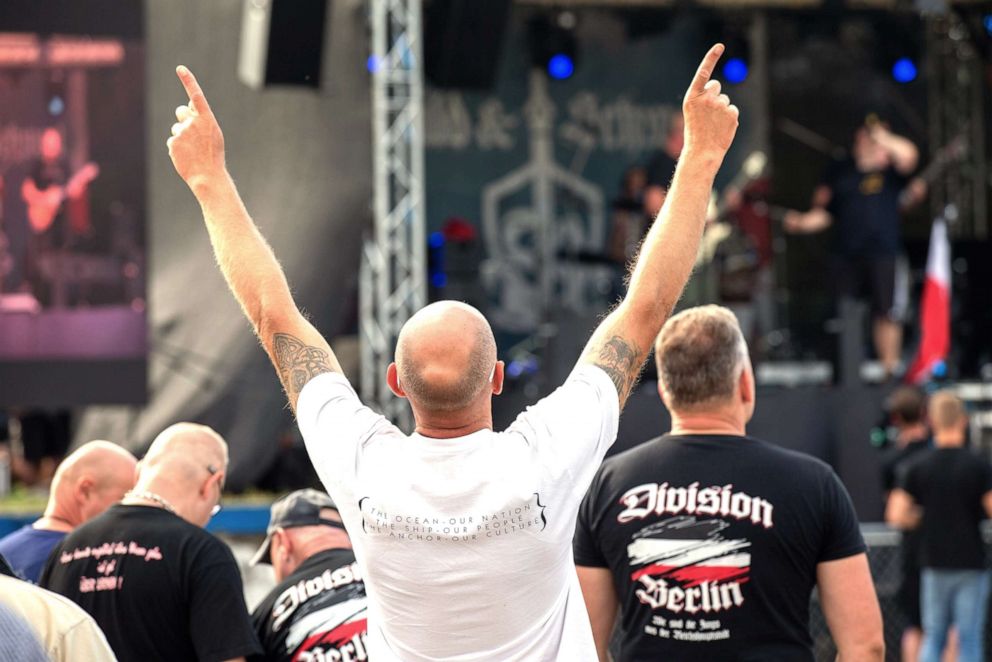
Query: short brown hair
946, 410
700, 354
908, 403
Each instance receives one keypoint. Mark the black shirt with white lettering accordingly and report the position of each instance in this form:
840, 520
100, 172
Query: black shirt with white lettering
159, 587
316, 613
949, 484
713, 543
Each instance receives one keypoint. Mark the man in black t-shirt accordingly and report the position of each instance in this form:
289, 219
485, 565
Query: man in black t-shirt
906, 407
859, 197
159, 586
711, 542
317, 611
946, 493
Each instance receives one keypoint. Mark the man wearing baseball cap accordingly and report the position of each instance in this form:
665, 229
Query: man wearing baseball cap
317, 611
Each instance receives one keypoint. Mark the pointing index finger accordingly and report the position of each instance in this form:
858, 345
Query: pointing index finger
705, 70
196, 96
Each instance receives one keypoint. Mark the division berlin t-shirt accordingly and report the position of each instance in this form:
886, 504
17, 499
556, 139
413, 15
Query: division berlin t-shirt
713, 543
159, 587
316, 613
465, 543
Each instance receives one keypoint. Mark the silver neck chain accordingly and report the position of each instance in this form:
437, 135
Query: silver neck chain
151, 496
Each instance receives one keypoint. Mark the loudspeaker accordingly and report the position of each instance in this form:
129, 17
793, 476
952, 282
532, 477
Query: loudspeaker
281, 42
462, 41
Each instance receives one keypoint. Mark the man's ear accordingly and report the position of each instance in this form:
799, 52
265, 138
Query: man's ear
746, 384
499, 374
393, 380
85, 488
663, 394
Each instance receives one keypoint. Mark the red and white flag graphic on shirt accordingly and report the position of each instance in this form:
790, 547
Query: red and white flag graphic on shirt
935, 308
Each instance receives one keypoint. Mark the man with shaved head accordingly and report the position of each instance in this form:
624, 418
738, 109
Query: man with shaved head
462, 533
93, 477
159, 586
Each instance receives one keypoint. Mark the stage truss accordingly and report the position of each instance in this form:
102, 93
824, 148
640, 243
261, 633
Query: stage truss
957, 118
394, 261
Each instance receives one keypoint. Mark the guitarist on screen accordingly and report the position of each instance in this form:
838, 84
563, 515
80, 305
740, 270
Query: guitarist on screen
45, 190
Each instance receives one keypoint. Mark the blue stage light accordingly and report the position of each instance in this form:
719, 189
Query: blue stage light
904, 70
561, 66
987, 22
439, 279
735, 70
372, 64
435, 240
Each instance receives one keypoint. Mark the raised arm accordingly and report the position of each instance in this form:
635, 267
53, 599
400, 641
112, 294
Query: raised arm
296, 348
904, 154
621, 343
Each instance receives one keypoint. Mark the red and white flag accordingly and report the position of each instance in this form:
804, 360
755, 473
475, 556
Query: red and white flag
935, 308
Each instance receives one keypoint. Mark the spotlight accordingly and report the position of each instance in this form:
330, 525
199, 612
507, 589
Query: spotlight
553, 46
987, 22
904, 70
561, 66
435, 240
372, 64
735, 70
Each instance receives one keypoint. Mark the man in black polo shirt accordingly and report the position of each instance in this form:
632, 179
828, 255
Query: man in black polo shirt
946, 493
317, 612
860, 198
711, 542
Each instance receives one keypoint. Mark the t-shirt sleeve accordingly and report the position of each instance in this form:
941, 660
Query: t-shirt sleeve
842, 533
86, 641
218, 618
334, 424
574, 426
585, 545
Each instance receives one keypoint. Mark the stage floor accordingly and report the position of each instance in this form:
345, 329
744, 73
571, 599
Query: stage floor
106, 332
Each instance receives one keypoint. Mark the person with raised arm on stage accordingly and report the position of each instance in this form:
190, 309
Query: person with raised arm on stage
860, 199
463, 534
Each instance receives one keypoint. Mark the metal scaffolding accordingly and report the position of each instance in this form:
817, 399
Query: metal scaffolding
957, 126
394, 261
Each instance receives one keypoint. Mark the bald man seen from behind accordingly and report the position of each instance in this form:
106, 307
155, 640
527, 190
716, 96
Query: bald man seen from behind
463, 534
158, 585
91, 479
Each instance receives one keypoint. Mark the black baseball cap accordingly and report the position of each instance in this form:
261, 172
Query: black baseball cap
299, 508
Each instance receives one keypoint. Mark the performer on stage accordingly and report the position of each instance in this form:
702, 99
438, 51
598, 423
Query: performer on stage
44, 190
860, 198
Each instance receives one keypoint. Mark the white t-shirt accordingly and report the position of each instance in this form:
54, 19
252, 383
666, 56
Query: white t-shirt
466, 543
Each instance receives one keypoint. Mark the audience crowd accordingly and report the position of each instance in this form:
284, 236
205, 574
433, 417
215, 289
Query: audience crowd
459, 542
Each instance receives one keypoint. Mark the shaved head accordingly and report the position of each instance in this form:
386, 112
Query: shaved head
186, 466
445, 356
183, 450
89, 480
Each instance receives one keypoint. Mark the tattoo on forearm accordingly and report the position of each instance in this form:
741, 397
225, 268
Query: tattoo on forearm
622, 362
298, 363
